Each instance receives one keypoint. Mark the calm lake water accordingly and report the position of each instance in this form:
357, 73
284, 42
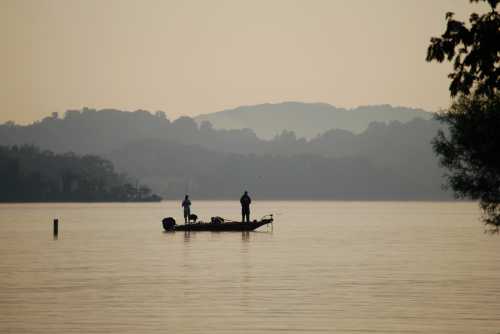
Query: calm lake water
327, 267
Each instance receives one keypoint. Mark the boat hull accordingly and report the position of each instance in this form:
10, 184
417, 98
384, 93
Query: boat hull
222, 227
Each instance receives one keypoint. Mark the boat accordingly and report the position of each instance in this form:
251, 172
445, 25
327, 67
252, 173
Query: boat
217, 225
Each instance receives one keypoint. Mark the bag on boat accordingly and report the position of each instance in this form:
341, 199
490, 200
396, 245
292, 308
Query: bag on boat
216, 220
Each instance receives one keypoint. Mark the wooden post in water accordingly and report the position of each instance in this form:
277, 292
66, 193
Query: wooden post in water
56, 227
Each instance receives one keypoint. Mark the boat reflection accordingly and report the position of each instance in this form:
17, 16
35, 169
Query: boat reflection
246, 236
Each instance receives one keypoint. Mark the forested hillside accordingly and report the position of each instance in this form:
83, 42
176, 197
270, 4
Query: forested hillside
389, 160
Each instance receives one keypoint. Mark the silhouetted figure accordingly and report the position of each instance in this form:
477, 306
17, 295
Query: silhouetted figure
245, 201
186, 204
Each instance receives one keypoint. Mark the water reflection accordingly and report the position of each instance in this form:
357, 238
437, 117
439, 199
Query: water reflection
114, 271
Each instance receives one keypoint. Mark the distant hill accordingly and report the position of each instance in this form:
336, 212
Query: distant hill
307, 119
388, 160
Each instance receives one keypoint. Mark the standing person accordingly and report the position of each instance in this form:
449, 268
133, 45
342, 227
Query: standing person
186, 204
245, 201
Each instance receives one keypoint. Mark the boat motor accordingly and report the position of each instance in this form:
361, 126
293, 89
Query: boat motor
168, 223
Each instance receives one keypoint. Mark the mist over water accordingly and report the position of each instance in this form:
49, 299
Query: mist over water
343, 267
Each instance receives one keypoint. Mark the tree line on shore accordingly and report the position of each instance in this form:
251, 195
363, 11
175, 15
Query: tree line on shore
29, 174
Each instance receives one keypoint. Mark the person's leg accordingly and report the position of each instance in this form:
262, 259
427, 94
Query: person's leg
242, 215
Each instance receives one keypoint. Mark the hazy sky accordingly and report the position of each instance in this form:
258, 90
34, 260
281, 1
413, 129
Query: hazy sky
192, 57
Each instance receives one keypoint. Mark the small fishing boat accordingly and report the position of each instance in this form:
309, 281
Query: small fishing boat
217, 224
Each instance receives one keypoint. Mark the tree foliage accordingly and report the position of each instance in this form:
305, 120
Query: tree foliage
474, 52
470, 150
